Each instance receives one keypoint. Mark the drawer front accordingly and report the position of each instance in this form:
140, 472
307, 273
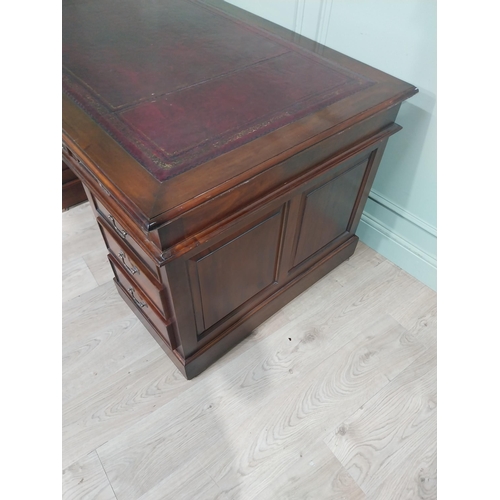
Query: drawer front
115, 225
134, 268
142, 301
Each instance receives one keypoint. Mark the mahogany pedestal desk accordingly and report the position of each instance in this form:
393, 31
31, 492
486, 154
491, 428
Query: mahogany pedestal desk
227, 160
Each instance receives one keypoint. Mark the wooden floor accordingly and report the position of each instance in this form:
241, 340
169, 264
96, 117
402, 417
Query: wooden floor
334, 397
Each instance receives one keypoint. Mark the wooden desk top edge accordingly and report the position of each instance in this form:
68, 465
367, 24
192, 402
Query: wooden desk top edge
151, 201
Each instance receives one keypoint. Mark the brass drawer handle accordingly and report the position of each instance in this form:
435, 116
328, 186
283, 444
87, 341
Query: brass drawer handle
138, 302
131, 270
121, 232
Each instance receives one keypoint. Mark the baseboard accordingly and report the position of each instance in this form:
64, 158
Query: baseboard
400, 237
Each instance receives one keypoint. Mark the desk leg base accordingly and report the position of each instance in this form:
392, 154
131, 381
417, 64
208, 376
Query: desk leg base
174, 357
244, 327
201, 360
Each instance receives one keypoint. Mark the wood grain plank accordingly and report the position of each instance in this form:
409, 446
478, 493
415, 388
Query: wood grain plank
319, 398
76, 279
97, 262
75, 219
415, 478
188, 482
98, 415
417, 311
86, 366
382, 434
80, 234
409, 301
86, 480
87, 313
264, 396
82, 239
362, 262
318, 475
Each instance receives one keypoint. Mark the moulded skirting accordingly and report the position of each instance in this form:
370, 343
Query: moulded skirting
411, 255
417, 221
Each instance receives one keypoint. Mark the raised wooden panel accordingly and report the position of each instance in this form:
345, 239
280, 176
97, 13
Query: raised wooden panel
326, 211
239, 267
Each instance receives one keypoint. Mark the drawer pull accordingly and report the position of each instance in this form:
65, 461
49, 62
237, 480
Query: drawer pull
121, 232
131, 270
138, 302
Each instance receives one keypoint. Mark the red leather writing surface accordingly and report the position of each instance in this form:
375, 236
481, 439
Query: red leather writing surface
177, 83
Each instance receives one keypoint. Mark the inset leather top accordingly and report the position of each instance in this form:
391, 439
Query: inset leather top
177, 83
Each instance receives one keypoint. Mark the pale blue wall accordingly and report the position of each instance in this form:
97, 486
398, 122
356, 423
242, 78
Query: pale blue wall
398, 37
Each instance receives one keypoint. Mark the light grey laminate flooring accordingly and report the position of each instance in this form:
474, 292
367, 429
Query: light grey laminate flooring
334, 397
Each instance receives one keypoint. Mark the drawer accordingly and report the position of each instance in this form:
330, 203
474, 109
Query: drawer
133, 267
116, 225
142, 301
